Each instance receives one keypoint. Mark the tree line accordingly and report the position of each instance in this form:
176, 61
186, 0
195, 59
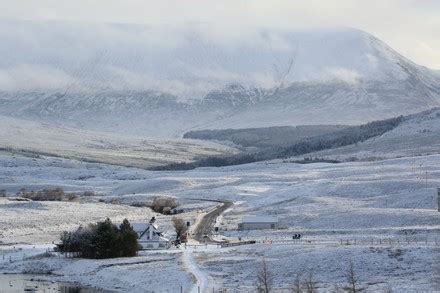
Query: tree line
347, 136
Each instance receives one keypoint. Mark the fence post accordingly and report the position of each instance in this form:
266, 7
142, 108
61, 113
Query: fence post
438, 199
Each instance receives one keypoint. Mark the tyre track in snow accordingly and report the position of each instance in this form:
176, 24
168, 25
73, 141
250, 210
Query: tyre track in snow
204, 227
201, 276
206, 224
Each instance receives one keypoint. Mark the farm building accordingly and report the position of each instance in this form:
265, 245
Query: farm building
150, 237
258, 222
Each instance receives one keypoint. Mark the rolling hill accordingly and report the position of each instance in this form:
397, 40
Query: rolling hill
42, 139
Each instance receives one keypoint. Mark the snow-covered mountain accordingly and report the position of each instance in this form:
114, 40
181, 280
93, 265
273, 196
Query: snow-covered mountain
163, 81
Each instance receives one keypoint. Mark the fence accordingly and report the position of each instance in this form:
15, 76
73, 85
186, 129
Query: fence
355, 241
237, 243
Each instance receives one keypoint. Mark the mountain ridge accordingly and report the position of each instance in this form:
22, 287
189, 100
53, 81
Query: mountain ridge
269, 78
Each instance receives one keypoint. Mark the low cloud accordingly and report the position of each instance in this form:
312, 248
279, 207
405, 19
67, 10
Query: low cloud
346, 75
26, 77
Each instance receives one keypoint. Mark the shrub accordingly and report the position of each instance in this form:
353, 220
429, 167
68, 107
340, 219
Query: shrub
115, 200
88, 193
162, 203
139, 204
50, 194
71, 196
101, 240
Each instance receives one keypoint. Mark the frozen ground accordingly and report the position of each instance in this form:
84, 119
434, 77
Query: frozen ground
42, 222
145, 273
42, 138
372, 202
377, 268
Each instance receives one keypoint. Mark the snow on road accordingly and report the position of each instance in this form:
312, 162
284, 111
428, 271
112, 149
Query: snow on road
202, 282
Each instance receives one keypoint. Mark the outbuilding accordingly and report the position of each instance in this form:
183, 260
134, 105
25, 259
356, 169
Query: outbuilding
258, 223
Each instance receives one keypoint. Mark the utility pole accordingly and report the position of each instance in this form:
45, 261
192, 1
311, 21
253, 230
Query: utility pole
426, 179
438, 199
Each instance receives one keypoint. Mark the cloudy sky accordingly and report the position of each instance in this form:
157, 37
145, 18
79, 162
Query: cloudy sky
410, 26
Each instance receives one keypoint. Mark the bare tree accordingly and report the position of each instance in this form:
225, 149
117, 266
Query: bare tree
388, 288
310, 283
351, 277
337, 289
297, 284
180, 227
264, 278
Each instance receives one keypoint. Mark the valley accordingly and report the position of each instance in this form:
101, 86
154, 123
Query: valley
307, 157
329, 204
32, 138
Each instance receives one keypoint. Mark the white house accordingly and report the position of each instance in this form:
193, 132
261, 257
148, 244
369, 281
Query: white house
258, 222
149, 237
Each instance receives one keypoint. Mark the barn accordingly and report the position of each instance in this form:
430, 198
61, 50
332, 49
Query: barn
258, 223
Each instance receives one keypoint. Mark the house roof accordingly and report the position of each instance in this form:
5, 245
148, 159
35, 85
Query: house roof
141, 227
143, 230
155, 239
259, 219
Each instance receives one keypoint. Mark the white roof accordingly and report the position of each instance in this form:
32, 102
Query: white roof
259, 219
141, 227
155, 239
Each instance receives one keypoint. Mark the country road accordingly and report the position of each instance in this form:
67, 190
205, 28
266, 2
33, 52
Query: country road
206, 224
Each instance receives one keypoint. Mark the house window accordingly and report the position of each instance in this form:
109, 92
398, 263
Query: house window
161, 245
150, 246
272, 226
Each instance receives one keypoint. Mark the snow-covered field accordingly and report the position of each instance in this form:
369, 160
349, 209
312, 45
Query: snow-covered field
42, 138
42, 222
388, 207
145, 273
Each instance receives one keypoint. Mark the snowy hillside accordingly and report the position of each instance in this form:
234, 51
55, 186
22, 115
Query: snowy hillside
164, 81
418, 134
35, 138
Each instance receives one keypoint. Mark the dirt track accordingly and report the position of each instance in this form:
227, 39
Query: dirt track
206, 224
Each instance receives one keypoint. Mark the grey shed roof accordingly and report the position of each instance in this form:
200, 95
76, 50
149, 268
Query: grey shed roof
259, 219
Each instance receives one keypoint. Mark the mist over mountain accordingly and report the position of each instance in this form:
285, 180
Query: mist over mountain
164, 81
